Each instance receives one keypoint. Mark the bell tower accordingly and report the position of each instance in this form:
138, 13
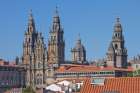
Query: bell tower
56, 44
29, 39
28, 47
117, 51
34, 57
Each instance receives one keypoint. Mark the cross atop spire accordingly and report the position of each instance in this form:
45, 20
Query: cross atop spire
31, 23
118, 26
56, 26
118, 19
30, 14
56, 10
56, 14
31, 19
56, 18
78, 40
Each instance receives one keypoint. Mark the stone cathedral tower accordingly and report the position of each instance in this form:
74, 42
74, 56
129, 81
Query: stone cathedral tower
34, 56
56, 44
117, 53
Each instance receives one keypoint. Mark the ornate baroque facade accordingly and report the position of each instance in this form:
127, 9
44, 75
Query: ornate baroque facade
34, 55
39, 61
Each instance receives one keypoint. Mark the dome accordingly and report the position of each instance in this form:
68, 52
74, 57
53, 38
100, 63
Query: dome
79, 46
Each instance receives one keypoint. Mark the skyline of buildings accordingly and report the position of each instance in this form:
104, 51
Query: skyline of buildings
46, 64
78, 41
100, 17
51, 63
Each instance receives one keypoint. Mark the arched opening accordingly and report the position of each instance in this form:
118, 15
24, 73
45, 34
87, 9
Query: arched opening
39, 65
116, 46
39, 80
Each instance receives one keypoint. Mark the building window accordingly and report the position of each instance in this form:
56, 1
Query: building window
54, 38
39, 79
39, 65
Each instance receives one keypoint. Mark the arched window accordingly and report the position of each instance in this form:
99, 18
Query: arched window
39, 79
115, 35
39, 64
116, 46
54, 38
37, 82
118, 35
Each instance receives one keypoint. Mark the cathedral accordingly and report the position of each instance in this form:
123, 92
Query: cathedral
34, 55
56, 43
41, 62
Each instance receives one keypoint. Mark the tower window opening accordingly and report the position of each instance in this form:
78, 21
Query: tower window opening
115, 35
116, 46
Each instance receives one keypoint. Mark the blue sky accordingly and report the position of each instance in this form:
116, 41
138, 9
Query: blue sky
93, 19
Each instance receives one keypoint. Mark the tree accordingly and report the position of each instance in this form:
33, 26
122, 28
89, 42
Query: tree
137, 72
130, 74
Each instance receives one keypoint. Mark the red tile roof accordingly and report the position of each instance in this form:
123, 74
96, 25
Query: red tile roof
113, 85
3, 62
7, 63
88, 68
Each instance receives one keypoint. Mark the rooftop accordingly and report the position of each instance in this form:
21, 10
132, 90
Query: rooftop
88, 68
113, 85
7, 63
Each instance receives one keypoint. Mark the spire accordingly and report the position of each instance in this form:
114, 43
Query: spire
56, 12
31, 23
79, 39
118, 19
56, 26
118, 27
79, 44
30, 15
56, 18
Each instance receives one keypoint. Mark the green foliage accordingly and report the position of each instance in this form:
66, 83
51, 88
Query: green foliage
133, 74
28, 90
130, 74
137, 73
